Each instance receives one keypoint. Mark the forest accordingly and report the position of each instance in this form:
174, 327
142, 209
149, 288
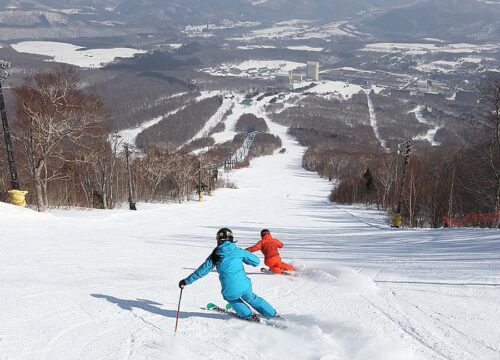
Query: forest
69, 154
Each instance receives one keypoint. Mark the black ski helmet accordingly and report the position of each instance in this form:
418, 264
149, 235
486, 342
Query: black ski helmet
224, 234
264, 232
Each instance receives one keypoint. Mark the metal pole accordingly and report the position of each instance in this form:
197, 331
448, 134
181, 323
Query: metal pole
129, 174
178, 311
397, 216
200, 192
8, 144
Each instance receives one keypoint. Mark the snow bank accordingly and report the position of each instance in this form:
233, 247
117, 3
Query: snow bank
12, 212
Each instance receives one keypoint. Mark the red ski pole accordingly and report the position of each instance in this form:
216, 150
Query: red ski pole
178, 309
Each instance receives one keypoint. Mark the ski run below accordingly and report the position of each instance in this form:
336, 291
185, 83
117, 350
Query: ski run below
431, 133
95, 284
129, 136
373, 120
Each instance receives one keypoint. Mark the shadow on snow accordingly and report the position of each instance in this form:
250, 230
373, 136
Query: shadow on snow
153, 307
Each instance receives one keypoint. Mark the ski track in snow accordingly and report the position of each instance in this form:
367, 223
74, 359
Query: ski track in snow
103, 284
373, 120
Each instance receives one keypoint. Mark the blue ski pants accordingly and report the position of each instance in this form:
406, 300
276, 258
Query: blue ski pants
262, 306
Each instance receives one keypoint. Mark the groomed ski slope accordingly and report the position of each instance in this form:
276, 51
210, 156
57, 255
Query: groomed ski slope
103, 284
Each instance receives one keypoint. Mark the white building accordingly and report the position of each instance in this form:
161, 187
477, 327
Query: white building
312, 70
297, 76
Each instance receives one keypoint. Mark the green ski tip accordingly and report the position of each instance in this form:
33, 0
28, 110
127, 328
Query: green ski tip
228, 307
210, 306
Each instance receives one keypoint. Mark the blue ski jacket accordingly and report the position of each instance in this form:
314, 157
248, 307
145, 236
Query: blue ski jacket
228, 259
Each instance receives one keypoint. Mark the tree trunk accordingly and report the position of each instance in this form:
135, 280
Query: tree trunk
497, 202
37, 177
44, 184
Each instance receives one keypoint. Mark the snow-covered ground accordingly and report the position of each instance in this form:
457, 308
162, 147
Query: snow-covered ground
301, 30
374, 121
174, 45
103, 284
424, 48
461, 63
238, 109
295, 47
74, 55
129, 136
341, 89
257, 69
438, 66
431, 133
252, 47
206, 30
227, 104
305, 48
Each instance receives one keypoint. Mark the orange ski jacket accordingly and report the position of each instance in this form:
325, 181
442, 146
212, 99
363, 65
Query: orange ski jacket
268, 245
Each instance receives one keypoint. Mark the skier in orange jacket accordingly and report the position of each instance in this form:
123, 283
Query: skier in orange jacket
269, 247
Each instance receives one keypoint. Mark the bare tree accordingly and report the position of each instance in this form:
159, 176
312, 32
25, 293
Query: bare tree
385, 175
184, 175
158, 167
490, 96
53, 115
97, 171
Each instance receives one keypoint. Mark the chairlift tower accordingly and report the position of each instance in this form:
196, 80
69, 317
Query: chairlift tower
4, 74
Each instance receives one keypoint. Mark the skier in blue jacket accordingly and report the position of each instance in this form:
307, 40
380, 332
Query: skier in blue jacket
236, 286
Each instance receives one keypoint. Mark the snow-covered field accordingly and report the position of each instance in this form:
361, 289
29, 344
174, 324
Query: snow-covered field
305, 48
103, 284
424, 48
253, 47
454, 57
301, 30
206, 30
466, 64
257, 69
295, 47
337, 88
438, 66
74, 55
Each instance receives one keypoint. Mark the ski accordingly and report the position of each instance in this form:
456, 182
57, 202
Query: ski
213, 307
288, 273
254, 318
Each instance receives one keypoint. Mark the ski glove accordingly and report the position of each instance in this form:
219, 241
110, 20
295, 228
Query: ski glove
182, 284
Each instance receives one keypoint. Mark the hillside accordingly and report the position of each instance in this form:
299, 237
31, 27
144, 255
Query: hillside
95, 284
453, 20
